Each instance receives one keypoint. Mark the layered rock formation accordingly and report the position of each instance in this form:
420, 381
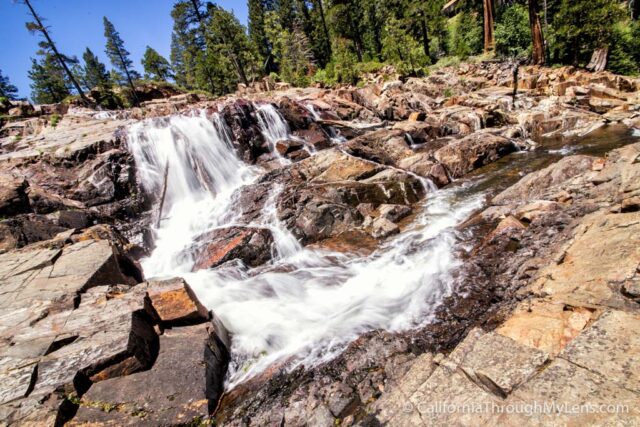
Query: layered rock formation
544, 308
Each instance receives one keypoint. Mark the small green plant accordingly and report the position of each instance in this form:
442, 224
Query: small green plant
73, 398
55, 119
274, 76
448, 92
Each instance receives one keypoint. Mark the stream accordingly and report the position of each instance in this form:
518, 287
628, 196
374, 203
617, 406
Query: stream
309, 303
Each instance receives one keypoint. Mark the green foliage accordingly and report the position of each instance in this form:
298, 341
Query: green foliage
581, 26
291, 50
465, 34
513, 33
7, 90
229, 47
156, 67
624, 54
322, 77
257, 33
118, 55
402, 50
97, 80
210, 49
55, 119
342, 68
49, 84
188, 50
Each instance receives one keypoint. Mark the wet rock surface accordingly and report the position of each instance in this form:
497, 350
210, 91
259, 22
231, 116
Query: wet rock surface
252, 246
545, 304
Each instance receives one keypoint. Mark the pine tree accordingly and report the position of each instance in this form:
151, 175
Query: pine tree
347, 22
189, 47
48, 80
38, 26
98, 81
229, 38
401, 49
581, 26
537, 38
95, 72
291, 50
119, 56
322, 40
7, 90
257, 33
156, 67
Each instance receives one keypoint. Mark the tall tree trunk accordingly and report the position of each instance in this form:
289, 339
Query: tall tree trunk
489, 40
635, 9
425, 34
59, 57
324, 25
537, 38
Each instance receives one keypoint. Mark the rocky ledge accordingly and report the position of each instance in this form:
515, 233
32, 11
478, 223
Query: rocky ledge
545, 306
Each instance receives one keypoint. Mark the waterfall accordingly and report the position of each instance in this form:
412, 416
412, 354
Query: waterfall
203, 173
310, 303
334, 135
272, 125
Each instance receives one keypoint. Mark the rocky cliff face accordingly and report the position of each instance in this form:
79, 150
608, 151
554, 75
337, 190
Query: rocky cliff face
545, 298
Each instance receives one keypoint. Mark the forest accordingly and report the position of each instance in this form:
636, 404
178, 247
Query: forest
332, 42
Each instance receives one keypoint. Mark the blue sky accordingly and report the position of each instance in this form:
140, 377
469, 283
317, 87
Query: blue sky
77, 24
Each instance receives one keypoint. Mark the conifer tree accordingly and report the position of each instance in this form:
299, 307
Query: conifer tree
7, 90
257, 33
189, 46
98, 81
119, 56
229, 38
156, 67
48, 80
95, 72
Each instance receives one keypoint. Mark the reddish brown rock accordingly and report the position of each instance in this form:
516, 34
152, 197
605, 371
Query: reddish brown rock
250, 245
174, 301
472, 152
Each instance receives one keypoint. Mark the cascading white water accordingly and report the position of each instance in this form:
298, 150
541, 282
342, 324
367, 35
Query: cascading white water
311, 302
334, 135
272, 125
203, 172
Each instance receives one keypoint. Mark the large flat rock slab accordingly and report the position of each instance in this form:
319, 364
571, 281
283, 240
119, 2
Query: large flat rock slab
546, 326
604, 254
581, 397
611, 348
501, 364
172, 392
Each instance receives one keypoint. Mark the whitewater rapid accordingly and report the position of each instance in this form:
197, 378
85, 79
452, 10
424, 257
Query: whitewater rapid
312, 302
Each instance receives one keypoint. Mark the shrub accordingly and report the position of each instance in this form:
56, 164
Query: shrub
55, 119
